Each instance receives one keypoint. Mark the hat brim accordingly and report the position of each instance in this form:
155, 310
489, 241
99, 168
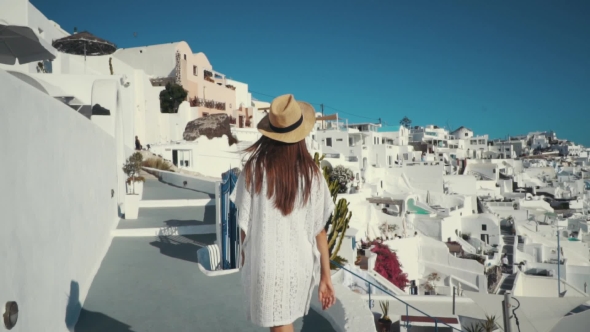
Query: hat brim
295, 135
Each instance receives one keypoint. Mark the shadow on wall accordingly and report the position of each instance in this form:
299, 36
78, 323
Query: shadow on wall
74, 306
183, 247
314, 322
81, 320
185, 188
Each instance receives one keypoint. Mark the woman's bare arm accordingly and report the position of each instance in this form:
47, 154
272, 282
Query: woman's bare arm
326, 292
322, 243
242, 238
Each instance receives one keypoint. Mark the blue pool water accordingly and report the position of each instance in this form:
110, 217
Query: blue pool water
415, 209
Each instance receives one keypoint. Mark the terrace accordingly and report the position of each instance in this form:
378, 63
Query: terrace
153, 283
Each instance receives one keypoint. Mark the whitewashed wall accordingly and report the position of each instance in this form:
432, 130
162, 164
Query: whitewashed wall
408, 253
210, 157
59, 170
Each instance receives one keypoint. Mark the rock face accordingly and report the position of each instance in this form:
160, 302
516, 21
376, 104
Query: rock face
213, 125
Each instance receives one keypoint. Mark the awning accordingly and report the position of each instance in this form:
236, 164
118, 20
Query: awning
327, 117
22, 44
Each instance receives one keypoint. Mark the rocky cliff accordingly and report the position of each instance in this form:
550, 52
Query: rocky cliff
213, 125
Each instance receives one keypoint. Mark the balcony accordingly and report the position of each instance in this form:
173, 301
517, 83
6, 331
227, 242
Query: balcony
209, 103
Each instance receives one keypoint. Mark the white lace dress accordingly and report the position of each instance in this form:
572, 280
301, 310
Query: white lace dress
282, 262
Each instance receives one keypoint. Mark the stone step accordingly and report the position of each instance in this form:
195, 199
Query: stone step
171, 217
161, 203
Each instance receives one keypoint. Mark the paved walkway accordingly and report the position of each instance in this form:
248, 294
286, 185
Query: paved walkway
508, 249
171, 216
153, 284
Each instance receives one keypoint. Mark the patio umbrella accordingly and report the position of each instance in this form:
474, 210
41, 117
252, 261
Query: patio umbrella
22, 44
84, 43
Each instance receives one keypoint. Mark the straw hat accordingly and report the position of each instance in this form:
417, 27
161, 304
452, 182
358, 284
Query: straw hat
288, 120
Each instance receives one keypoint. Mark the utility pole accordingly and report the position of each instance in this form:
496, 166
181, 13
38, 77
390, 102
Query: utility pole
454, 300
558, 266
506, 312
323, 121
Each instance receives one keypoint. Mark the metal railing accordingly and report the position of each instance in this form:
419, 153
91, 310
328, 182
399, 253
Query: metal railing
408, 306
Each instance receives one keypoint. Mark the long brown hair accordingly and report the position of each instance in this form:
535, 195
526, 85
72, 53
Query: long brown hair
288, 169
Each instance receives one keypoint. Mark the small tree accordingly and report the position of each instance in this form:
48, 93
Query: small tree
131, 168
389, 266
171, 98
432, 278
406, 122
343, 176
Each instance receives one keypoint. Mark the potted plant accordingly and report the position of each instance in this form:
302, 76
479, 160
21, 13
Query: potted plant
384, 322
131, 168
429, 285
489, 324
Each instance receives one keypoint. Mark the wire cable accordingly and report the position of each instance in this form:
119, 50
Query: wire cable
326, 106
514, 313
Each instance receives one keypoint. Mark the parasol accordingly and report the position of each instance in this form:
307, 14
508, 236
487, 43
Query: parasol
22, 44
84, 43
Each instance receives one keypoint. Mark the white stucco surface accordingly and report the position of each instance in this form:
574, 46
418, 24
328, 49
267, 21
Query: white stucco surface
202, 184
350, 313
57, 205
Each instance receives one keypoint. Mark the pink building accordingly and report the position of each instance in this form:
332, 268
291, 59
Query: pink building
208, 90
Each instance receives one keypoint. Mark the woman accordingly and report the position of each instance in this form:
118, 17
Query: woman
283, 205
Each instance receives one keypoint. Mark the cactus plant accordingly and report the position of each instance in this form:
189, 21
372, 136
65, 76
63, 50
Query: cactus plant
339, 219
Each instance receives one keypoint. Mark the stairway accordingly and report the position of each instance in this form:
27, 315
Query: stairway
509, 240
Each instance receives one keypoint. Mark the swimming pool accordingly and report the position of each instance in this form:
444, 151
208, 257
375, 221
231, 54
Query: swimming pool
415, 209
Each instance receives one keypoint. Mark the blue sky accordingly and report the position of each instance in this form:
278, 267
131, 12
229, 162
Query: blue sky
498, 67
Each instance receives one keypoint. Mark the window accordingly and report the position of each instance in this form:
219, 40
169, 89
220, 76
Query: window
484, 227
195, 70
350, 141
339, 140
389, 160
329, 141
473, 142
185, 56
48, 66
381, 184
466, 134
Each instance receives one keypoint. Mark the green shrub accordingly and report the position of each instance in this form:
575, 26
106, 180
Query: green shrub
172, 97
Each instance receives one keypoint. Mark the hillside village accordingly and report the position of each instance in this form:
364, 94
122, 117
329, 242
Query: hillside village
433, 209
